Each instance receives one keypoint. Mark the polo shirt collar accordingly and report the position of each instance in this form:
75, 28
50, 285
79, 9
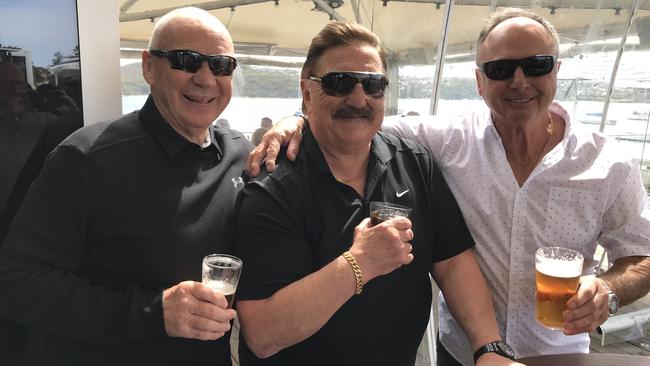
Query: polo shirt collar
170, 140
380, 153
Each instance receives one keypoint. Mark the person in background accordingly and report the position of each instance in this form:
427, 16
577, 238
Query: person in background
265, 125
525, 177
321, 285
20, 126
102, 259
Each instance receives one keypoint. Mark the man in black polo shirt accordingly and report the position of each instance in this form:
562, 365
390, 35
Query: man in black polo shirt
101, 259
320, 285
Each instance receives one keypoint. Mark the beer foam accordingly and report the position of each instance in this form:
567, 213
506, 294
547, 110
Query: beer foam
224, 288
559, 268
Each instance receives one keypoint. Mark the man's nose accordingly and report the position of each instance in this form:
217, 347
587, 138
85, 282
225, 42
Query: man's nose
204, 76
519, 79
357, 97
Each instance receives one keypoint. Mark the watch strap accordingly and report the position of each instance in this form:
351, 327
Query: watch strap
499, 347
612, 299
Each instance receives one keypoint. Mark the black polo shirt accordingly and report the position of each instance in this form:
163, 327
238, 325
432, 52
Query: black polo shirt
120, 212
299, 218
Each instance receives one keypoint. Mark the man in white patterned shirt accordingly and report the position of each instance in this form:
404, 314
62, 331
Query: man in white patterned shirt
524, 178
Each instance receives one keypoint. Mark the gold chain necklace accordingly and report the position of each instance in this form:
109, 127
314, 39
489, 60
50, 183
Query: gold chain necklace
361, 174
549, 131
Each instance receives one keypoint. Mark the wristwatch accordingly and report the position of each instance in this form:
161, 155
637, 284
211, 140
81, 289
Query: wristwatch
499, 347
612, 299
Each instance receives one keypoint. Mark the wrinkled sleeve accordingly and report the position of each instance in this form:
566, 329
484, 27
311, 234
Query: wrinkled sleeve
429, 131
42, 263
269, 240
451, 235
626, 222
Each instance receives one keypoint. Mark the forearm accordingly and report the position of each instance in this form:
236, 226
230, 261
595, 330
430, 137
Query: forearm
298, 310
629, 278
467, 296
67, 306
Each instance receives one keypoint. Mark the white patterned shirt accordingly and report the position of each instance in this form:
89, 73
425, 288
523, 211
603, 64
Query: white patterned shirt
583, 192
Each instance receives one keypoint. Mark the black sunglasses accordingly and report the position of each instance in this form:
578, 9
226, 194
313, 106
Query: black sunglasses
190, 61
534, 66
341, 83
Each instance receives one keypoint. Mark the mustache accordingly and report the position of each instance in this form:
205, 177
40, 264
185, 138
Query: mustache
352, 112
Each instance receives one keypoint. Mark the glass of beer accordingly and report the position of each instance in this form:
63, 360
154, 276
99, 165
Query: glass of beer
382, 211
557, 275
221, 272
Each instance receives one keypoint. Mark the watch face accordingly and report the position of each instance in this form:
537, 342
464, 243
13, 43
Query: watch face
612, 302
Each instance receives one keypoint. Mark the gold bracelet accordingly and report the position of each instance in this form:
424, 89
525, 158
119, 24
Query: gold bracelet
357, 271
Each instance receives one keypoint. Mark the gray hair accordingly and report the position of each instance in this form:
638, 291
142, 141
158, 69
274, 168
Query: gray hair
504, 14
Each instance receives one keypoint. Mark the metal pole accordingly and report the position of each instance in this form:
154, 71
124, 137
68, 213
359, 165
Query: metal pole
612, 79
442, 48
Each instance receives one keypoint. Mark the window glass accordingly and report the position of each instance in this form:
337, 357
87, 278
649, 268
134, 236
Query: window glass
40, 91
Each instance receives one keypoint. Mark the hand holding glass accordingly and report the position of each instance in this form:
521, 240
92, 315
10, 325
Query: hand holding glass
221, 272
382, 211
557, 275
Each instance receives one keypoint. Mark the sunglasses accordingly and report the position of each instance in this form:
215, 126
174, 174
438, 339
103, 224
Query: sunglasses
534, 66
190, 61
341, 83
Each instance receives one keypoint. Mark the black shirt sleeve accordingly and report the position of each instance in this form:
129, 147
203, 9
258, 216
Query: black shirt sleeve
269, 240
450, 231
42, 268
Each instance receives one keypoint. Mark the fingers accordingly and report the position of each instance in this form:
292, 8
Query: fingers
587, 289
294, 145
587, 309
287, 131
400, 223
384, 247
272, 151
255, 158
187, 314
205, 293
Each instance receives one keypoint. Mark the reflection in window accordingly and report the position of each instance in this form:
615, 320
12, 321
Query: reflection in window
40, 91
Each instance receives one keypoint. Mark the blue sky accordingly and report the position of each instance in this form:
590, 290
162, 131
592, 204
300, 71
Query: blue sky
40, 26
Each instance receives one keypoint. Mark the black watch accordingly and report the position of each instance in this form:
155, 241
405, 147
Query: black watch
499, 347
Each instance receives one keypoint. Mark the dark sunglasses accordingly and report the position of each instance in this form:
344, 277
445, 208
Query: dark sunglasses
190, 61
341, 83
534, 66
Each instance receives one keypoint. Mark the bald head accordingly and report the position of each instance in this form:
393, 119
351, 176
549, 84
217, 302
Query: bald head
165, 32
188, 96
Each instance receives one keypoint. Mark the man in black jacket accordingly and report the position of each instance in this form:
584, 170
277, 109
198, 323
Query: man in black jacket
101, 259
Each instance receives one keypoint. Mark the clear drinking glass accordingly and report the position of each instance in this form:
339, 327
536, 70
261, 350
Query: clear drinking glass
221, 272
557, 275
382, 211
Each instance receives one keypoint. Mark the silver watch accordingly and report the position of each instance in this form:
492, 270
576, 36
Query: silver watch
612, 299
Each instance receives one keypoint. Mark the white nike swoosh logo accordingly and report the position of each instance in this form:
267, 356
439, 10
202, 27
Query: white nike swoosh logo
400, 194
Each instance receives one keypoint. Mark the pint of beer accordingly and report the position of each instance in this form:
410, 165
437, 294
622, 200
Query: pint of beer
557, 274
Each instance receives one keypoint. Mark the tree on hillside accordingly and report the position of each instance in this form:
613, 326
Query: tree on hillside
58, 58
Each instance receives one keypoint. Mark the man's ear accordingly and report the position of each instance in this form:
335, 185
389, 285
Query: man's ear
306, 95
479, 85
147, 67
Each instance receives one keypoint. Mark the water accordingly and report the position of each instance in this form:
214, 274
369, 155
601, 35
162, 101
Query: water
244, 115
